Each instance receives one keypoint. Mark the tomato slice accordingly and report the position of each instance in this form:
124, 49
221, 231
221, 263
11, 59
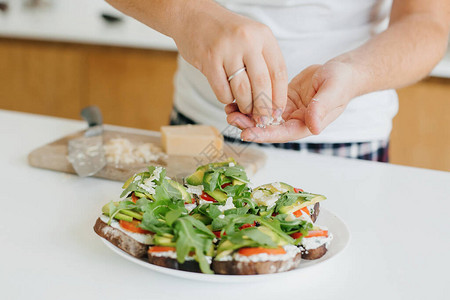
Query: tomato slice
133, 226
207, 197
134, 198
247, 225
258, 250
161, 249
311, 233
225, 185
296, 235
297, 190
190, 202
314, 233
299, 212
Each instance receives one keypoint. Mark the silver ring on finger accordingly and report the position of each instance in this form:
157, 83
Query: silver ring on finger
236, 73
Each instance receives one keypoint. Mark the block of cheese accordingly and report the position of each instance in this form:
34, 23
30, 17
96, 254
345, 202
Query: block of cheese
192, 140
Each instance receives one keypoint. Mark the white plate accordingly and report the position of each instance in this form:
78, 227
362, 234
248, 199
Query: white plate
341, 237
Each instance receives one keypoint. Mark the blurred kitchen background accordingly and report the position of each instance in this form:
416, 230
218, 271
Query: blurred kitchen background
58, 56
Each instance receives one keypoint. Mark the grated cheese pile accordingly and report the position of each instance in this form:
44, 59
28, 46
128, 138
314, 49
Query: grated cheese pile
121, 151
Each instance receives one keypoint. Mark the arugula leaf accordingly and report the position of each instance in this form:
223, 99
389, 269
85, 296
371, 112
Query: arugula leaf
173, 215
189, 239
237, 172
274, 225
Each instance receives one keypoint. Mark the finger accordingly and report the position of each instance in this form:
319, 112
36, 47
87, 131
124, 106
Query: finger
326, 105
261, 87
217, 79
240, 86
291, 130
240, 120
278, 75
232, 107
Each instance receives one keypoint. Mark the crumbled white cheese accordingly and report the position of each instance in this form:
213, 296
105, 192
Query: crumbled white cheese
190, 206
278, 187
265, 200
201, 202
120, 151
317, 241
228, 205
291, 251
173, 254
148, 186
156, 174
231, 164
195, 189
221, 216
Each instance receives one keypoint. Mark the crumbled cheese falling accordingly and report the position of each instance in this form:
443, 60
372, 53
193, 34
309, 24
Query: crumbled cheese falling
121, 151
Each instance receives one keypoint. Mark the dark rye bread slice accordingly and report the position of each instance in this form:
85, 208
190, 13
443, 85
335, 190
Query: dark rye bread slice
120, 239
312, 254
316, 212
234, 267
168, 262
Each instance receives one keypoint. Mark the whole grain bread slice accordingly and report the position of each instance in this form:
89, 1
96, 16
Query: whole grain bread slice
234, 267
168, 262
120, 239
312, 254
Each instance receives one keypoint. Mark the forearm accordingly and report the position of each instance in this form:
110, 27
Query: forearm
165, 16
403, 54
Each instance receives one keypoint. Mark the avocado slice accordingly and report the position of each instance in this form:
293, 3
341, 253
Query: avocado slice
196, 178
216, 164
164, 240
275, 237
218, 195
235, 181
284, 187
184, 193
300, 204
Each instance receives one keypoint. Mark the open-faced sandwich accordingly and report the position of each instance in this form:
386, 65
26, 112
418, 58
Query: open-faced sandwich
215, 223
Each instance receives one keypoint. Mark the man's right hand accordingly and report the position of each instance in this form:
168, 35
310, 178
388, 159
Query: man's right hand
219, 43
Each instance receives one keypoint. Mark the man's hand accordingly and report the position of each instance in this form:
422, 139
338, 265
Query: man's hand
316, 97
219, 43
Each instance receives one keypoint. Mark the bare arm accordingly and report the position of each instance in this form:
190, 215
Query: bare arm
407, 51
219, 42
403, 54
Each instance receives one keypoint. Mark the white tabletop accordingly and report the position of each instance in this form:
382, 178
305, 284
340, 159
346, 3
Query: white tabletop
398, 218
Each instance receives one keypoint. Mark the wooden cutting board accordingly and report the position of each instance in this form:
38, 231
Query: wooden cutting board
53, 156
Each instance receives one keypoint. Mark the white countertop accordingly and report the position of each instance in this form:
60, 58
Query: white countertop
398, 218
80, 22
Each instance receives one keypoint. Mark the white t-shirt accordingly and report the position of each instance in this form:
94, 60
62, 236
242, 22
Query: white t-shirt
308, 32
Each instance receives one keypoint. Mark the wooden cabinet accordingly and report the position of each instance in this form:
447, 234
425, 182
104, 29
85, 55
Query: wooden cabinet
421, 134
134, 88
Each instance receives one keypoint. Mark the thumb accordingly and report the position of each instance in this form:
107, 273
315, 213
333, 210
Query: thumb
325, 106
